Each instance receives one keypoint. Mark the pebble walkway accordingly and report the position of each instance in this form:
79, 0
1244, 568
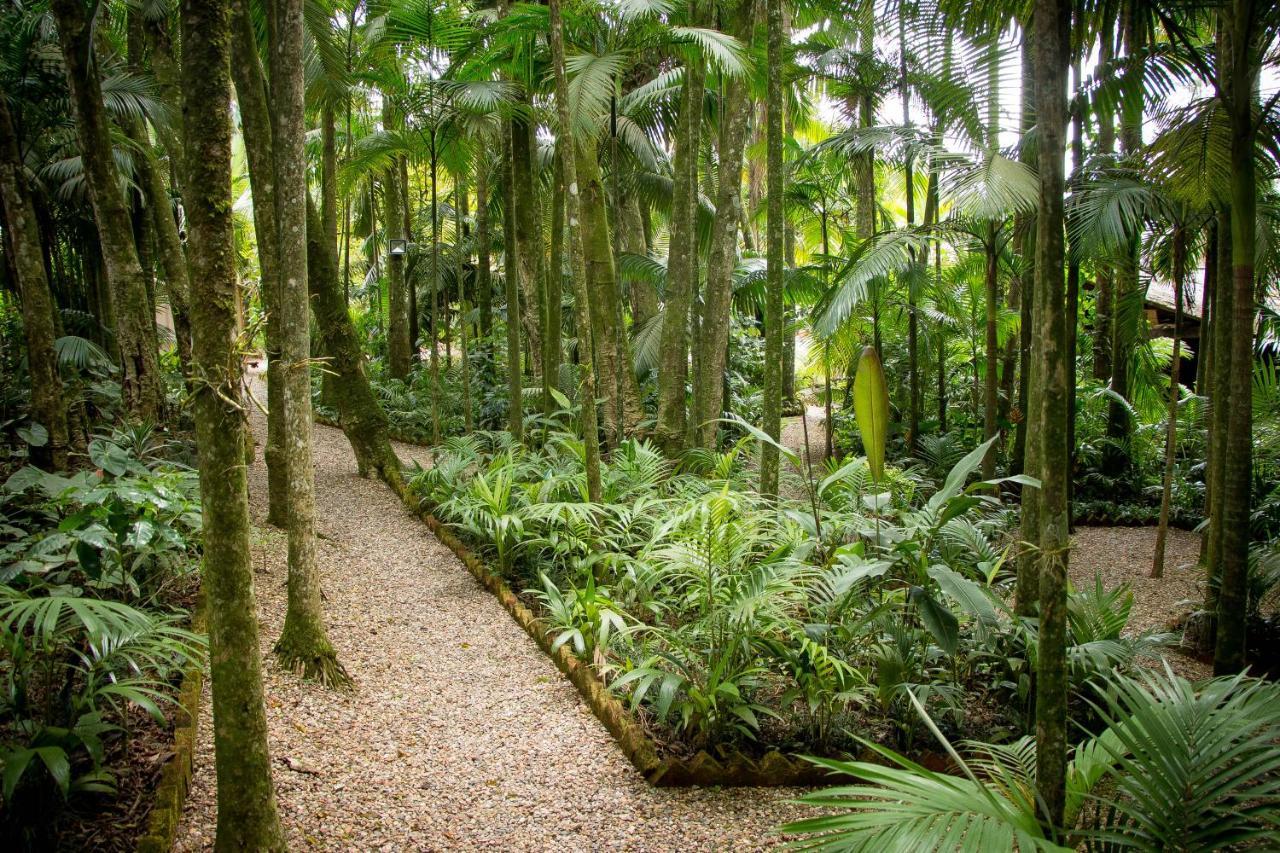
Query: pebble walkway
461, 734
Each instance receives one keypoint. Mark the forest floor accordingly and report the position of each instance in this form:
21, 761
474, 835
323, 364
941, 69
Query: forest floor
460, 733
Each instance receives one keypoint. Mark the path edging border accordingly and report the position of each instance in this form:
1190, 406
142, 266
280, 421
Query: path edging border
175, 778
774, 769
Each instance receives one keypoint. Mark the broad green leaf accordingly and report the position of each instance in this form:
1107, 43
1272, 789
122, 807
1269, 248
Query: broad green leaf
941, 622
871, 406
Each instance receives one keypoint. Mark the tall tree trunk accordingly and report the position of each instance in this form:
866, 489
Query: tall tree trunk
303, 645
48, 407
135, 327
1219, 408
1027, 456
771, 405
397, 304
634, 239
1104, 281
464, 305
255, 121
173, 258
1171, 426
717, 300
435, 293
551, 340
247, 817
990, 424
581, 298
619, 393
511, 278
1237, 474
484, 280
673, 359
1052, 28
1124, 328
528, 239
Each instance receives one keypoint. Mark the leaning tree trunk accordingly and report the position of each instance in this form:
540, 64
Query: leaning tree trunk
247, 818
1237, 471
771, 406
173, 259
255, 122
362, 419
581, 298
47, 404
303, 645
673, 358
135, 327
1051, 38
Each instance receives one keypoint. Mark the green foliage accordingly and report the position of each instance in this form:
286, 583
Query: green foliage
93, 563
1177, 767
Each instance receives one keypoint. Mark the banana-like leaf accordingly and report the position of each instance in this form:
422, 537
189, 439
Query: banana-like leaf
871, 406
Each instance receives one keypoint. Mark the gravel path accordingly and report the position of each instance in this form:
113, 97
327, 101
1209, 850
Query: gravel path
461, 734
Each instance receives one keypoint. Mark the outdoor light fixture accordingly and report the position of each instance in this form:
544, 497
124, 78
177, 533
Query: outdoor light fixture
399, 247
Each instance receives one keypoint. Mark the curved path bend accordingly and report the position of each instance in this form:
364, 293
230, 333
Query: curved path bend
461, 734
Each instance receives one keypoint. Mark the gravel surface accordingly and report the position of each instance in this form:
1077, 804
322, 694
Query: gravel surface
1124, 555
460, 734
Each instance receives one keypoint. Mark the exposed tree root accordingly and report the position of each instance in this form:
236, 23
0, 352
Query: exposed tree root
312, 658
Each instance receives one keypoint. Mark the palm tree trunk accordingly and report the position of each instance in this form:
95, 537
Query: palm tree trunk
247, 817
255, 120
673, 362
551, 339
528, 240
1052, 28
1027, 440
1171, 427
771, 404
484, 280
1237, 473
713, 341
581, 298
303, 645
511, 275
135, 328
38, 308
618, 390
397, 304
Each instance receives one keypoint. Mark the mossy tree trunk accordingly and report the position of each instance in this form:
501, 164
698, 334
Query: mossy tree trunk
362, 419
135, 327
255, 122
528, 239
552, 337
581, 297
1051, 41
673, 358
48, 407
303, 645
771, 406
1027, 441
511, 278
619, 393
713, 342
247, 817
